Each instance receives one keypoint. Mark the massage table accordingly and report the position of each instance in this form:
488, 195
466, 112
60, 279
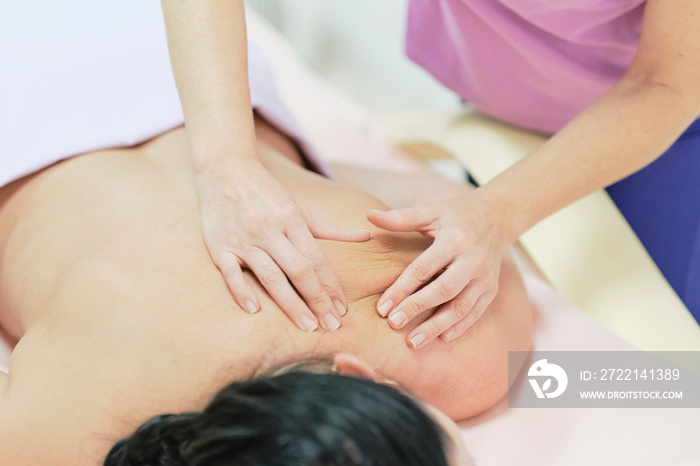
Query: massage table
583, 258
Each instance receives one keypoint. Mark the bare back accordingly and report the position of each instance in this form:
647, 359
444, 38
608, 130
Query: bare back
121, 315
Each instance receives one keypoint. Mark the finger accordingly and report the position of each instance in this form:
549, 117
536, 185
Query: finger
419, 272
275, 282
329, 281
233, 276
301, 273
462, 326
410, 219
323, 230
443, 289
458, 310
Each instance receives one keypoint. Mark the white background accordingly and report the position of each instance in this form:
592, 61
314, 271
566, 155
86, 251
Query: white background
358, 45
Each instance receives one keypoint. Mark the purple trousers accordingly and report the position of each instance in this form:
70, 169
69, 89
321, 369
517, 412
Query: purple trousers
662, 204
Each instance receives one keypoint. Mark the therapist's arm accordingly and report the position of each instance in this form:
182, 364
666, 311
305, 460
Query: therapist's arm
248, 218
626, 129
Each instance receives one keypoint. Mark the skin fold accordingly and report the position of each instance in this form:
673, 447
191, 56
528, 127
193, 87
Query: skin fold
120, 313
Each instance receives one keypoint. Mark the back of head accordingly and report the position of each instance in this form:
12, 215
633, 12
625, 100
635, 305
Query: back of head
296, 418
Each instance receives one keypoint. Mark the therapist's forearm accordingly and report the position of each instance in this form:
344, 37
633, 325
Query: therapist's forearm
208, 51
622, 132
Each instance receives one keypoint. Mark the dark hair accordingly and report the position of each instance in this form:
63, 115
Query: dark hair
296, 418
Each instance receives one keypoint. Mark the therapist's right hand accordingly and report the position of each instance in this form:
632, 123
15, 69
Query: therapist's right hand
250, 220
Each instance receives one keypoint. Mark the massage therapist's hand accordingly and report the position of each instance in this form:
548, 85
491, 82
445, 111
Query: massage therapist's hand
463, 263
250, 220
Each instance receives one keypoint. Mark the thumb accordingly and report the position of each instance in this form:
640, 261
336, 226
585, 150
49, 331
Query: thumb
411, 219
323, 230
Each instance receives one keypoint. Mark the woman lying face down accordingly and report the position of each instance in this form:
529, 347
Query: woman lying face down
120, 314
302, 414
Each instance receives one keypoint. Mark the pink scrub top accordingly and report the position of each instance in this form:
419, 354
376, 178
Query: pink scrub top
534, 63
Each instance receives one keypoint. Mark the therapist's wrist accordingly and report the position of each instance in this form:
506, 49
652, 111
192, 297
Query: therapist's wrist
215, 144
217, 155
228, 174
504, 213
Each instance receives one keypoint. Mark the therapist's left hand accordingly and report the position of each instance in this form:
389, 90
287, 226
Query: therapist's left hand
463, 263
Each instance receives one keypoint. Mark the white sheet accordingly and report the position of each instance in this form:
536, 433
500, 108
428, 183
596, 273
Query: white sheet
79, 75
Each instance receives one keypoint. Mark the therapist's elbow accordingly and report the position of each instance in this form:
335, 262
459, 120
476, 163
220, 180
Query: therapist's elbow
680, 88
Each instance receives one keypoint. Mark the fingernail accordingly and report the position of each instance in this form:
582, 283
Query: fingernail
308, 324
331, 322
418, 339
250, 307
385, 308
341, 309
398, 318
449, 335
376, 212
